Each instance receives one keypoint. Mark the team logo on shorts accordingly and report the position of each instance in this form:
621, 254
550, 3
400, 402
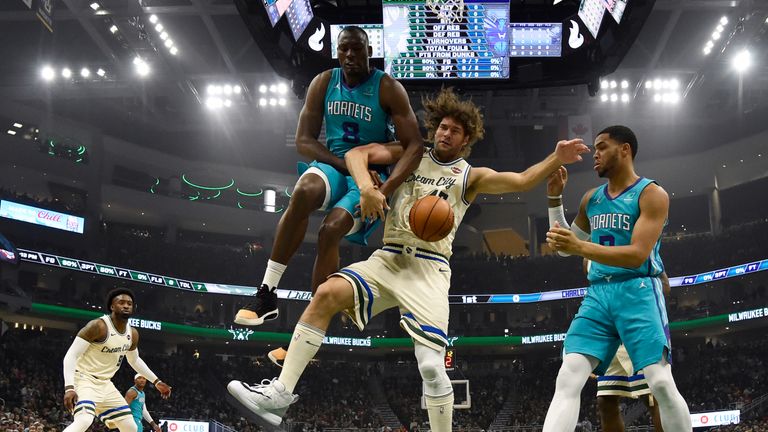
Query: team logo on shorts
456, 170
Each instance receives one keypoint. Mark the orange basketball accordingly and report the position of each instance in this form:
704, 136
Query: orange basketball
431, 218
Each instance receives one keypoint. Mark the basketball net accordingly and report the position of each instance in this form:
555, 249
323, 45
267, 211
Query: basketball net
448, 11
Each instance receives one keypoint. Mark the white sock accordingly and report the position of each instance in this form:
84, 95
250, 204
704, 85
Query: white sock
440, 412
305, 342
563, 413
273, 274
672, 407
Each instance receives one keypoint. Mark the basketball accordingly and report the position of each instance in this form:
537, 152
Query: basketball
431, 218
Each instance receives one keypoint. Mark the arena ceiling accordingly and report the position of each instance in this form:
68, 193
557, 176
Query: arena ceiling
166, 110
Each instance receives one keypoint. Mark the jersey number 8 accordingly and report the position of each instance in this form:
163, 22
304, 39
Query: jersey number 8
351, 132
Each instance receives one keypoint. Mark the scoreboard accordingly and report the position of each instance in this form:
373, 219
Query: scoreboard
418, 44
375, 38
535, 39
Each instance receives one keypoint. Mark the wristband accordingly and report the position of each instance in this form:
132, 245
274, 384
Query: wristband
555, 197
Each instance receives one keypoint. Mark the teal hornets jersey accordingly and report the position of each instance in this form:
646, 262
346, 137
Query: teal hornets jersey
612, 221
137, 407
354, 116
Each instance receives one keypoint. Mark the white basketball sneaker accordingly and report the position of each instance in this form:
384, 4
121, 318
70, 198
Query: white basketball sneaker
268, 400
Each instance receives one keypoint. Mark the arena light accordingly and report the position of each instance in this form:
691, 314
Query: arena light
236, 89
613, 84
269, 200
614, 97
715, 35
272, 101
281, 101
724, 20
227, 103
66, 72
142, 68
604, 84
273, 88
163, 35
624, 84
173, 50
11, 132
85, 72
17, 125
153, 18
168, 43
227, 89
649, 84
159, 27
282, 88
657, 97
625, 98
95, 6
604, 97
742, 61
113, 29
674, 83
101, 72
263, 88
262, 102
48, 73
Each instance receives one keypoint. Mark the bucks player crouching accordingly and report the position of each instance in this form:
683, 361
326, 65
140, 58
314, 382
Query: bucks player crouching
92, 360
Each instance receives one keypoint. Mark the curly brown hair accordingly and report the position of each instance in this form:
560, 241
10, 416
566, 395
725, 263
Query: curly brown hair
448, 104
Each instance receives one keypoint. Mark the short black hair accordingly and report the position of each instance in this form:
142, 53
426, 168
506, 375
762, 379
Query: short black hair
119, 291
356, 29
622, 134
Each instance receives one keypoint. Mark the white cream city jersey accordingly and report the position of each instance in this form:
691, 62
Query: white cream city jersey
432, 177
102, 359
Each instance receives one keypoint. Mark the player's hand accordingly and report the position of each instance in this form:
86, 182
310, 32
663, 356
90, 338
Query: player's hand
70, 399
570, 151
556, 181
372, 203
563, 240
164, 389
592, 376
155, 427
375, 178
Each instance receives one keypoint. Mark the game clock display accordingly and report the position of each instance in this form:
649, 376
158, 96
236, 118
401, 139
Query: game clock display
419, 44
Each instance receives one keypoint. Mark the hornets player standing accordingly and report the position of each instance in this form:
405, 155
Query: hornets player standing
137, 401
359, 105
618, 228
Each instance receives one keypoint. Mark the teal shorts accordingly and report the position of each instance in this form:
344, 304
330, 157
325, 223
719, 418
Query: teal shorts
341, 192
631, 311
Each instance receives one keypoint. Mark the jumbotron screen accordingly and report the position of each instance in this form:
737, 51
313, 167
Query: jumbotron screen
535, 39
375, 38
419, 44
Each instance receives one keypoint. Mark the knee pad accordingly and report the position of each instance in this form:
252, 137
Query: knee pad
432, 370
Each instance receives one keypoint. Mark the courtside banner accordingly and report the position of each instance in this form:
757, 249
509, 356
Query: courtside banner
39, 216
535, 297
185, 426
716, 418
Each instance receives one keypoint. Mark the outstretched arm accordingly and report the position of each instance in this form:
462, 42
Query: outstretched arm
395, 99
310, 123
486, 180
138, 364
654, 207
372, 201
